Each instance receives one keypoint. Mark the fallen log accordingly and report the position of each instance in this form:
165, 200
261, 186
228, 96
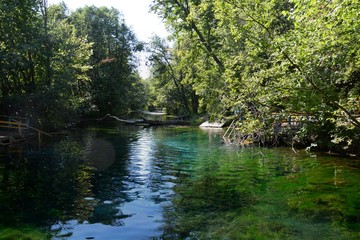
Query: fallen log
145, 122
166, 122
134, 121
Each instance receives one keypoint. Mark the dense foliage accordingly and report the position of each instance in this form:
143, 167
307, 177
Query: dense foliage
261, 61
272, 59
171, 90
56, 65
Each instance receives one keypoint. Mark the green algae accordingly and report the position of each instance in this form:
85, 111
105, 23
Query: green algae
23, 234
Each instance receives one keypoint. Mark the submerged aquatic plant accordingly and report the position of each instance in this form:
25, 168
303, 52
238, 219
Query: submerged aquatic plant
23, 234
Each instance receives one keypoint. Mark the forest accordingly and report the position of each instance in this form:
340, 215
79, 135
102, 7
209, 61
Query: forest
257, 62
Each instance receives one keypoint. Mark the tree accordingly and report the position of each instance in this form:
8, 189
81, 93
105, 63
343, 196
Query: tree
18, 23
173, 94
66, 84
42, 63
195, 29
113, 57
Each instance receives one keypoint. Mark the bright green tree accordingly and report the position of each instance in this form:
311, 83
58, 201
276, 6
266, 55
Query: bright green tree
197, 48
173, 93
262, 58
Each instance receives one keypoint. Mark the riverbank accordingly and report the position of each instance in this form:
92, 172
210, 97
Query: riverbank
309, 135
295, 132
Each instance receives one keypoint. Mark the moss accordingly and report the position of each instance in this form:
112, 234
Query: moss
23, 234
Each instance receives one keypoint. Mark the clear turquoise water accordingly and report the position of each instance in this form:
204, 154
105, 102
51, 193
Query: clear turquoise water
174, 183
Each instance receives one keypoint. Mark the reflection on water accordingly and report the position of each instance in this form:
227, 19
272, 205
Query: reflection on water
174, 183
100, 154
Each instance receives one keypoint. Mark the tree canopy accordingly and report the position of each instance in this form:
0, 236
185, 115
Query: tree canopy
56, 65
266, 58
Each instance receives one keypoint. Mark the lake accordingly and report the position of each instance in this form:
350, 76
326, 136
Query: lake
173, 183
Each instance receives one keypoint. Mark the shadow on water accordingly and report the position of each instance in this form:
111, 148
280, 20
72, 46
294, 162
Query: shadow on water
39, 187
174, 183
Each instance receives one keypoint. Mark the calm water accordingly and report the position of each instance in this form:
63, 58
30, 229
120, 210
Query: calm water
173, 183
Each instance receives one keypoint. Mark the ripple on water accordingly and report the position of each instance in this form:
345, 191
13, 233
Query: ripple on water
177, 184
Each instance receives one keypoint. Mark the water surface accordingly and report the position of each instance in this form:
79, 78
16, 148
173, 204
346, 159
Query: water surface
173, 183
